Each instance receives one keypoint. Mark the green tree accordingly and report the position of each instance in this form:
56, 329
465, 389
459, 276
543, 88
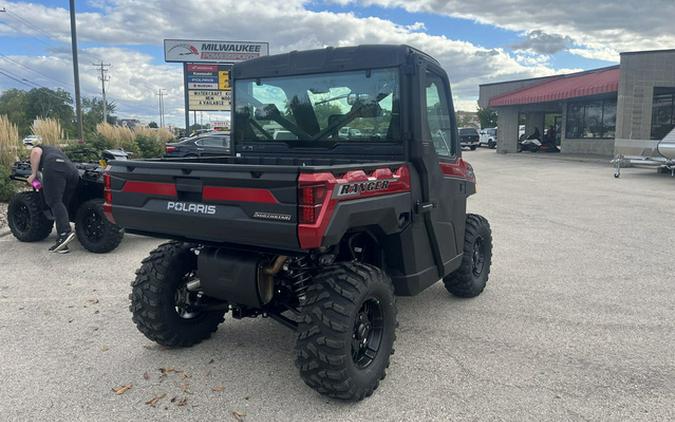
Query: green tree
13, 103
44, 102
153, 125
23, 107
92, 114
324, 111
487, 117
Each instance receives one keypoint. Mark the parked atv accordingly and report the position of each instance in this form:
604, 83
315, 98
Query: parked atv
31, 220
535, 145
319, 230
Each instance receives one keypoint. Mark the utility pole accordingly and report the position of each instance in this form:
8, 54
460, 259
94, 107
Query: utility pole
76, 72
103, 68
160, 95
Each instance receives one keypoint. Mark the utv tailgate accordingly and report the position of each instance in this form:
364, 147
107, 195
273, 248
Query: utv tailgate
231, 203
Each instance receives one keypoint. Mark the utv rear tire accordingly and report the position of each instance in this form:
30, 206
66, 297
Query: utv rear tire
154, 298
26, 218
347, 331
94, 232
492, 144
470, 278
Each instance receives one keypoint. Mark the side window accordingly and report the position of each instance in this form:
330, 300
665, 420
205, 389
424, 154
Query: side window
438, 117
210, 142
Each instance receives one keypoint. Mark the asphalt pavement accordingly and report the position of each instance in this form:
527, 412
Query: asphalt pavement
577, 322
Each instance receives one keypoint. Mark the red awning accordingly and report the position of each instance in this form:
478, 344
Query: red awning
571, 86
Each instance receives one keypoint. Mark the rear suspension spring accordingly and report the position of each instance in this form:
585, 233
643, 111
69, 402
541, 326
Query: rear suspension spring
299, 273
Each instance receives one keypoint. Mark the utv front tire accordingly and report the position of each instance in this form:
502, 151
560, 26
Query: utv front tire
347, 331
470, 278
94, 232
26, 217
157, 304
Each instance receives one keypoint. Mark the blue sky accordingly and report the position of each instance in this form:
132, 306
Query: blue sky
476, 42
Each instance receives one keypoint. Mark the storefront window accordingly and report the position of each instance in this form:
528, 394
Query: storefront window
663, 112
591, 119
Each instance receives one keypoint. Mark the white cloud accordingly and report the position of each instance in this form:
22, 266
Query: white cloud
601, 28
287, 25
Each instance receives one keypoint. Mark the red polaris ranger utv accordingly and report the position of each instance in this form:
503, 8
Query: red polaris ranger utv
345, 188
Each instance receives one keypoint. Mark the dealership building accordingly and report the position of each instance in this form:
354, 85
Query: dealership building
619, 109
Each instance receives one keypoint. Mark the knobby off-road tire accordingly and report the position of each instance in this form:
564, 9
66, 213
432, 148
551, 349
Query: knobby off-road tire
347, 303
94, 232
154, 298
470, 278
26, 218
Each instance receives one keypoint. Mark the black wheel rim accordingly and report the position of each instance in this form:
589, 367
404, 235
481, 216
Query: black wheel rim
367, 333
21, 217
94, 225
478, 256
187, 303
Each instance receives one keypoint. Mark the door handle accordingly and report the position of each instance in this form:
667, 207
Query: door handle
424, 207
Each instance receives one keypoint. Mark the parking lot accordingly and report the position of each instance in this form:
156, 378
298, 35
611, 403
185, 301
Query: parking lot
576, 322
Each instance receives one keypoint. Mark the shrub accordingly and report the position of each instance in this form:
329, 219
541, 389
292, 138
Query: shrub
7, 186
117, 136
88, 151
11, 147
149, 147
49, 130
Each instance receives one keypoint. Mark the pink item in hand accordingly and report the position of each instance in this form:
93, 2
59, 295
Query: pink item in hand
36, 184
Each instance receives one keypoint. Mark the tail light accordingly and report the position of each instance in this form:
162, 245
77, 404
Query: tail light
311, 198
169, 149
107, 196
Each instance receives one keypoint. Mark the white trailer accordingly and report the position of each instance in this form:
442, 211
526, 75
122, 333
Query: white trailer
652, 154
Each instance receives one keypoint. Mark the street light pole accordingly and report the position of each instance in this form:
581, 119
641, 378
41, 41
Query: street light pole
76, 72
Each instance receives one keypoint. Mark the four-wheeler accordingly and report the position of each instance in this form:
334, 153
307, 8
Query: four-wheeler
469, 138
318, 232
31, 220
205, 144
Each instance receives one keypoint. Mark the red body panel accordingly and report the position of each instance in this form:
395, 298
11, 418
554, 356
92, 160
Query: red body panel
150, 188
221, 193
382, 181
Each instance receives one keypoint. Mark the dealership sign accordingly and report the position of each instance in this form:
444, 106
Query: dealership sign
208, 86
213, 51
209, 100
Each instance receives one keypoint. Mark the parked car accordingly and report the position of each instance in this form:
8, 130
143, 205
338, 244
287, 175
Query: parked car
488, 137
211, 143
31, 140
468, 138
348, 133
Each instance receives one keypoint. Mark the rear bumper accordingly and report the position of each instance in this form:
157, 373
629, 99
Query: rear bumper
229, 224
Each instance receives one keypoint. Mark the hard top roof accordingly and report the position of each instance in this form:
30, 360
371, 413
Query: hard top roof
330, 59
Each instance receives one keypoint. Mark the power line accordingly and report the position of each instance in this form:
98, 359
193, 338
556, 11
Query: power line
35, 71
29, 24
26, 82
104, 77
19, 30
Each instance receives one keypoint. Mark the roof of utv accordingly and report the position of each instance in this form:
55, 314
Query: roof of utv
329, 59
